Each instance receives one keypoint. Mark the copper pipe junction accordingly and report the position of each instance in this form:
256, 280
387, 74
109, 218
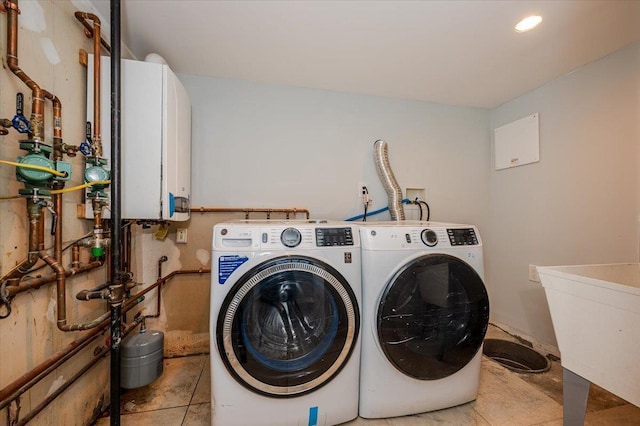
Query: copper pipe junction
89, 30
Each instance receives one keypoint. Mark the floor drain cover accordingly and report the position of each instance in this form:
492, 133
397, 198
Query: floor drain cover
515, 357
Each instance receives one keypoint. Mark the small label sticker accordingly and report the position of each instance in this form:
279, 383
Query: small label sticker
227, 265
313, 416
347, 257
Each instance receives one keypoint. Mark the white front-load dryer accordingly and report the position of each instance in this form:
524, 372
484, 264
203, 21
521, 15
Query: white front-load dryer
285, 323
425, 315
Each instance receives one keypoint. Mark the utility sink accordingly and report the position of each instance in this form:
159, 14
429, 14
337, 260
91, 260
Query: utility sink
595, 311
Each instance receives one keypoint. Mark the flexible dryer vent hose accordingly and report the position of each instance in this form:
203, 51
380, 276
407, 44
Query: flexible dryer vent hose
394, 193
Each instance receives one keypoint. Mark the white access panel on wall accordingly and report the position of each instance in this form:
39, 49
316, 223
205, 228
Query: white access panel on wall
155, 139
517, 143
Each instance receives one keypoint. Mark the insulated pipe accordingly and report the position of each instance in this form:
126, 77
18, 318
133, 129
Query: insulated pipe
116, 290
37, 94
394, 193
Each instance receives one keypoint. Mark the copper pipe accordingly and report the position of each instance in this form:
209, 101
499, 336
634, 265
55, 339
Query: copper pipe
97, 357
57, 125
159, 298
61, 293
27, 283
97, 213
75, 256
134, 300
27, 380
248, 210
36, 238
81, 16
37, 95
61, 276
97, 131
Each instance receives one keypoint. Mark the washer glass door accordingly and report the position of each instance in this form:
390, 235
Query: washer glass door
288, 326
433, 316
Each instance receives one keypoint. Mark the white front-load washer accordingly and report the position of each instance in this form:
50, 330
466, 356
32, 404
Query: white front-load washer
425, 315
285, 323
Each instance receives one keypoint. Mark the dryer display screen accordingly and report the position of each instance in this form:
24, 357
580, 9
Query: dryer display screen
334, 237
462, 237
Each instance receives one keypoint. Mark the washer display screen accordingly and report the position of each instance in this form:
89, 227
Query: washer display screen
433, 316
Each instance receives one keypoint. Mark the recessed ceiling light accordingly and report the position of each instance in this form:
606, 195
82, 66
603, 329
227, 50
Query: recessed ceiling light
528, 23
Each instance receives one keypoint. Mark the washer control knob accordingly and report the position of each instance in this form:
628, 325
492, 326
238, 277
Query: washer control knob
429, 237
291, 237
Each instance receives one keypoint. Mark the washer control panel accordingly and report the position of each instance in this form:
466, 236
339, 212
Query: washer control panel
462, 236
334, 237
284, 235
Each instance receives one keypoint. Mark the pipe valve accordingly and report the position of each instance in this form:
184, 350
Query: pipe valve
98, 242
20, 122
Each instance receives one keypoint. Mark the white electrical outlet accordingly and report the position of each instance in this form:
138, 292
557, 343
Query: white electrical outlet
181, 236
533, 274
361, 186
413, 193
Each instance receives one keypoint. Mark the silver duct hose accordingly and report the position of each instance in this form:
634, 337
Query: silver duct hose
394, 193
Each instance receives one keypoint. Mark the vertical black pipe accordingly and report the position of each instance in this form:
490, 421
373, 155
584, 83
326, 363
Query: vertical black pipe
116, 288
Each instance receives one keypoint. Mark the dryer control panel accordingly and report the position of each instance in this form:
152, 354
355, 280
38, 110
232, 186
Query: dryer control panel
334, 237
462, 236
412, 235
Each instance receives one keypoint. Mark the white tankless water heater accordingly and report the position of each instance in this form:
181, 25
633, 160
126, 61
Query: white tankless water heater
155, 139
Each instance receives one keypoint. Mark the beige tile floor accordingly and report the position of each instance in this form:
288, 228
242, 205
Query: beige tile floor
181, 396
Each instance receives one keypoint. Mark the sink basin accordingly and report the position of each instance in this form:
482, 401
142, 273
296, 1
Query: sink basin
595, 311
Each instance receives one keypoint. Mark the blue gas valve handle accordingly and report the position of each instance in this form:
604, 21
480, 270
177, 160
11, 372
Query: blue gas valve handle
20, 122
85, 148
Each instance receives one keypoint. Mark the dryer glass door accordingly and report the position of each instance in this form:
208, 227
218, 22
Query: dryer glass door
288, 326
433, 316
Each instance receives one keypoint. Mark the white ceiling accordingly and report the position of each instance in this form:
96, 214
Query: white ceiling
451, 52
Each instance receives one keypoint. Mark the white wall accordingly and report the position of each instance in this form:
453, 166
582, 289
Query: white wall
258, 145
580, 203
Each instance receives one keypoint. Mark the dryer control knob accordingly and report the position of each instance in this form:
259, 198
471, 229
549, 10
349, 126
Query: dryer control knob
429, 237
291, 237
